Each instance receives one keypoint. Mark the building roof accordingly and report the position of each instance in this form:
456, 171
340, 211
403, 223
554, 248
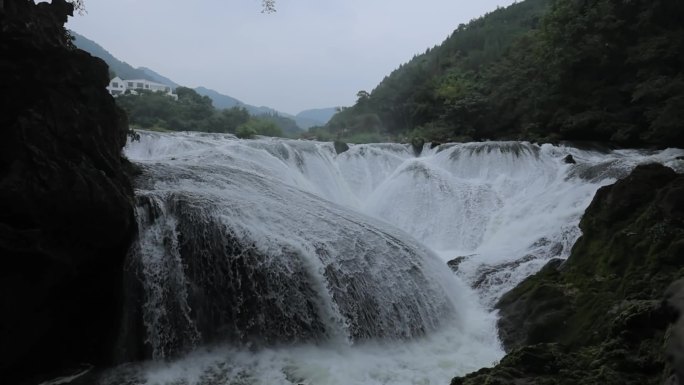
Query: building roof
146, 81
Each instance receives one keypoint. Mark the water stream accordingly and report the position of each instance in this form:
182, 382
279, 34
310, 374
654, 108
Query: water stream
277, 261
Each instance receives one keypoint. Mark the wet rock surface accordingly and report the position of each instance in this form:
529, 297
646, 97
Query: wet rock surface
417, 144
602, 317
66, 216
340, 147
456, 262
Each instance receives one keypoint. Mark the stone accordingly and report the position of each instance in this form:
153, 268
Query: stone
599, 317
454, 263
340, 147
417, 144
675, 346
485, 272
66, 213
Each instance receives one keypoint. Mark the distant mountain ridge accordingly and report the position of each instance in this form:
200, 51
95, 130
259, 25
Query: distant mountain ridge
224, 101
304, 119
120, 68
158, 78
320, 116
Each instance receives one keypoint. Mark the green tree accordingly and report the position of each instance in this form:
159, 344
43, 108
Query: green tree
444, 89
600, 70
257, 126
231, 118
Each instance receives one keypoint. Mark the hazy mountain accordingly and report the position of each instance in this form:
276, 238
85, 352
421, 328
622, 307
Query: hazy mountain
120, 68
306, 123
220, 100
319, 116
158, 78
224, 101
126, 71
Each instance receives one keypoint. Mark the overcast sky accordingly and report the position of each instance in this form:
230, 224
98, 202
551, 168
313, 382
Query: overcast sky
309, 54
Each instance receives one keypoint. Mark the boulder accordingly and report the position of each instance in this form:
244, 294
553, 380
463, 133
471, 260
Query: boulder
487, 274
340, 147
66, 214
675, 346
417, 144
601, 317
533, 313
456, 262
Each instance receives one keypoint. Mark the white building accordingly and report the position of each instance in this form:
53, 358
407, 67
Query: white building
118, 86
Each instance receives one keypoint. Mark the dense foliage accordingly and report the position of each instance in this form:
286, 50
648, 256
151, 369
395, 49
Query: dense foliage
608, 70
287, 127
193, 112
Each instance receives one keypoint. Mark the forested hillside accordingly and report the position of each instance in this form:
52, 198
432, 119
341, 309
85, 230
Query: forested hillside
116, 66
603, 70
194, 112
156, 111
318, 115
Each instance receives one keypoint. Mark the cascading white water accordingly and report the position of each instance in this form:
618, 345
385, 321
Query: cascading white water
366, 299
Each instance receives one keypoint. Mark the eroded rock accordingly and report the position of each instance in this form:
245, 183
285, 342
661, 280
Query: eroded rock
456, 262
66, 216
601, 318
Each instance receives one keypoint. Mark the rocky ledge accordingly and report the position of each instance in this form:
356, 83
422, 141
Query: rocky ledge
66, 214
606, 315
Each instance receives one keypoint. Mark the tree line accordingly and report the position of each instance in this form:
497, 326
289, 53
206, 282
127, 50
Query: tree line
542, 70
194, 112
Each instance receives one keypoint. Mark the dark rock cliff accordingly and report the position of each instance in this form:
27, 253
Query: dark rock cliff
601, 317
66, 214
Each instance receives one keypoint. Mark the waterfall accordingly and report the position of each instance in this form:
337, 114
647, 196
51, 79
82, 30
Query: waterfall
232, 255
299, 265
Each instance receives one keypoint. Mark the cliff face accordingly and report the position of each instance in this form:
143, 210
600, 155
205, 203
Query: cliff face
601, 317
66, 214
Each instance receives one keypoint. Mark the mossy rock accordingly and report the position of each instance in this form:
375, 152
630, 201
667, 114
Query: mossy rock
600, 318
535, 310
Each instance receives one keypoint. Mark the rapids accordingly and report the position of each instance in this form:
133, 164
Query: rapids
276, 261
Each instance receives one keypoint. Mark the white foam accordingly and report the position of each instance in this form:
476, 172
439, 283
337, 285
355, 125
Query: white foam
495, 202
